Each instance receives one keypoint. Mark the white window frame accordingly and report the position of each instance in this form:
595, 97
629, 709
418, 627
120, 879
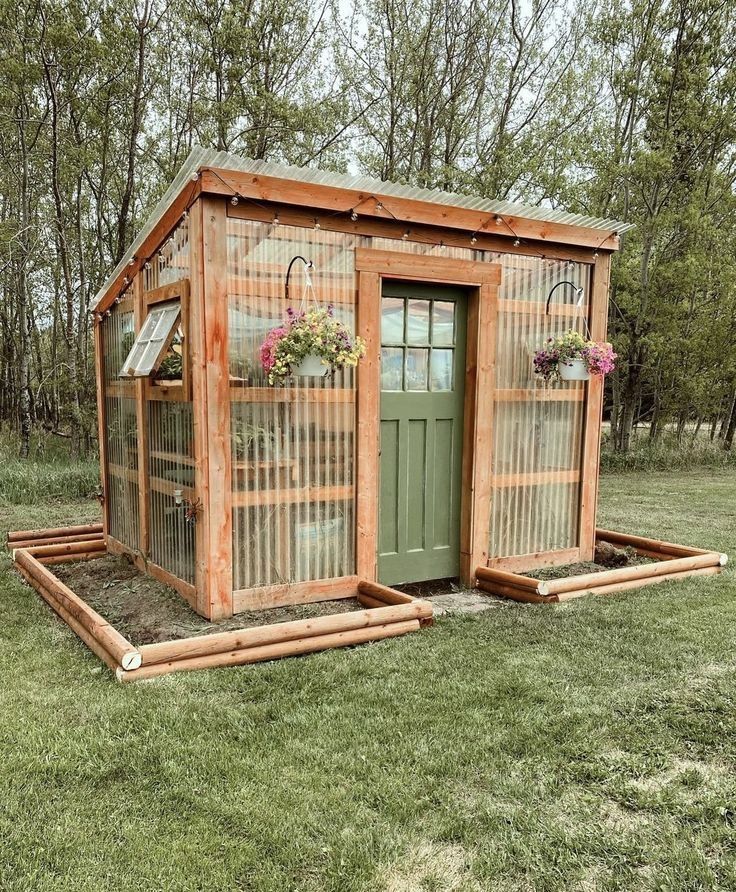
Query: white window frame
153, 340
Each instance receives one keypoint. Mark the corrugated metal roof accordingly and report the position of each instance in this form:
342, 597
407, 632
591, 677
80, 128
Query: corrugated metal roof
200, 157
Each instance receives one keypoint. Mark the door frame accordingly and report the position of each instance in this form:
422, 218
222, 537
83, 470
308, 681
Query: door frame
481, 280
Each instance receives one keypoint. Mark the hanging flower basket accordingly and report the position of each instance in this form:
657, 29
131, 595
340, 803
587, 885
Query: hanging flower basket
570, 357
309, 343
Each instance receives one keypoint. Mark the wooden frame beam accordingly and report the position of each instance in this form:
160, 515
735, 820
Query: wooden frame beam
335, 199
211, 408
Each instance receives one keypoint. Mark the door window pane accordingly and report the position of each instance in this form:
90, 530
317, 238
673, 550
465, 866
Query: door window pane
417, 362
417, 322
392, 320
441, 370
443, 323
392, 368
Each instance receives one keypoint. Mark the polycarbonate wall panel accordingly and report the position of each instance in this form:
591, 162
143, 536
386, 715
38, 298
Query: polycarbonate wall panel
293, 445
121, 428
171, 468
172, 262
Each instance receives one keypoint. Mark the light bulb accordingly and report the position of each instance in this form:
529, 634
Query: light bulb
234, 200
473, 239
353, 216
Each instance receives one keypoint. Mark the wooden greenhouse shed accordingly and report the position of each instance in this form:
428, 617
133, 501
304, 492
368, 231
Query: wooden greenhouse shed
439, 454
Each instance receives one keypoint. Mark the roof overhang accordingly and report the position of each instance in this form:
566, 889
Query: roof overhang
219, 173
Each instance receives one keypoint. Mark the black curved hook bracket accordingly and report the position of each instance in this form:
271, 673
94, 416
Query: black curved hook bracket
307, 265
578, 293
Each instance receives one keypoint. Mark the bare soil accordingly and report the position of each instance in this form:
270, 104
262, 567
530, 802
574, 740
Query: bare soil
146, 611
583, 567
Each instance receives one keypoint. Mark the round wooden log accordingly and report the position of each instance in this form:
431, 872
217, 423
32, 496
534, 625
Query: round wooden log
41, 551
637, 583
119, 647
507, 578
33, 543
514, 593
273, 651
624, 574
367, 601
78, 629
383, 593
54, 533
70, 558
655, 545
277, 633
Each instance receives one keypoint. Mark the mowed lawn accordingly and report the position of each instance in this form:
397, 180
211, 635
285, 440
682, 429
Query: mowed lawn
582, 746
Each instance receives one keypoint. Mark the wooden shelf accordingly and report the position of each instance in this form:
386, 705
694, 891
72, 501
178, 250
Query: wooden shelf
547, 394
173, 457
250, 498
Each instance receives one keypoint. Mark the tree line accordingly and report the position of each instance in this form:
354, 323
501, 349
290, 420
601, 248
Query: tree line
623, 110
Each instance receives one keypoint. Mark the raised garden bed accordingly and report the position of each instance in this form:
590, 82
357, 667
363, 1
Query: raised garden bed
654, 561
381, 612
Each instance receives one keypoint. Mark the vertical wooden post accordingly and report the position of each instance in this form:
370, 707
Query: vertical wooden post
211, 407
367, 441
480, 377
102, 422
141, 412
593, 411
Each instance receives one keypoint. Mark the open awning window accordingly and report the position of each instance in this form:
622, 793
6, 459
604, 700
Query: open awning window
153, 340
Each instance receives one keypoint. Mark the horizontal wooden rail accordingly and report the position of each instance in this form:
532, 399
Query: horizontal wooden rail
248, 498
292, 394
534, 478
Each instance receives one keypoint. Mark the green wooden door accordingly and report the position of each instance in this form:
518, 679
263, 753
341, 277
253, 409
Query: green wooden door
422, 387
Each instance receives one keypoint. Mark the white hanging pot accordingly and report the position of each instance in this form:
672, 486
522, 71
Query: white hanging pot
311, 365
574, 370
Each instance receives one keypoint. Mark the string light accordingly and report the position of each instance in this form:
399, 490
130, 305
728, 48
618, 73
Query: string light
473, 239
131, 262
516, 242
195, 176
147, 265
276, 220
595, 253
405, 236
353, 215
498, 220
316, 224
234, 200
379, 206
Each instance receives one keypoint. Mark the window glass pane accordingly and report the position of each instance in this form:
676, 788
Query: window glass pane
417, 322
392, 368
441, 370
416, 369
443, 323
156, 332
164, 322
392, 320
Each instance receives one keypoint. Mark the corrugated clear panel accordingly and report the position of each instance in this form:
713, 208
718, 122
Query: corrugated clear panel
538, 428
121, 430
171, 469
292, 445
171, 263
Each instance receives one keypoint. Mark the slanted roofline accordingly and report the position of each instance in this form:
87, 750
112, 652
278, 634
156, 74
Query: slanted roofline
219, 173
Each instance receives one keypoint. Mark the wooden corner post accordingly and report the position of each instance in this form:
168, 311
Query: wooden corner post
99, 340
600, 272
211, 407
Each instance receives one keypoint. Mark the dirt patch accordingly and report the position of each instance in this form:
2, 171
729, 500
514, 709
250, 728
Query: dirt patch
146, 611
583, 567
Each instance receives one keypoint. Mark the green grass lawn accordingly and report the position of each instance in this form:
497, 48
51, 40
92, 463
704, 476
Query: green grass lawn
582, 746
